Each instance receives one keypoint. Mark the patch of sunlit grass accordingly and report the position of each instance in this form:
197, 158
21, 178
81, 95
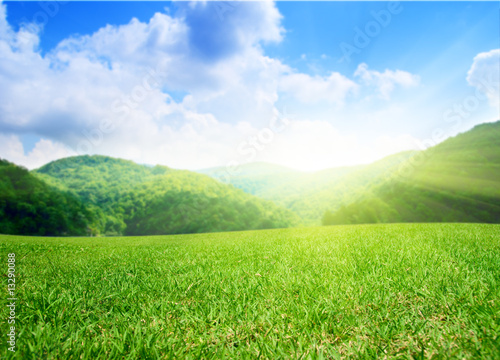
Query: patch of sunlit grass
346, 291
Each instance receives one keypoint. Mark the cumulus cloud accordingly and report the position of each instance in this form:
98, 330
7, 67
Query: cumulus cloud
168, 91
244, 25
312, 89
11, 148
4, 26
484, 75
123, 75
387, 81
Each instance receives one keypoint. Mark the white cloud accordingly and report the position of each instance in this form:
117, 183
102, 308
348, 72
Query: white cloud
244, 25
484, 75
107, 75
312, 89
386, 82
45, 151
4, 25
112, 92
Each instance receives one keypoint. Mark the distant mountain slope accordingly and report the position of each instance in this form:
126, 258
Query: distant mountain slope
455, 181
184, 202
252, 169
318, 192
28, 206
309, 195
254, 178
143, 200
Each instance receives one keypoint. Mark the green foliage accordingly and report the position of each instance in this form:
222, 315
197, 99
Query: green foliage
100, 182
455, 181
255, 178
357, 292
28, 206
309, 195
140, 200
181, 202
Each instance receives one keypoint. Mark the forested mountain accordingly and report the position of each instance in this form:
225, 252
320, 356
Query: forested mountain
184, 202
455, 181
141, 200
100, 182
332, 188
255, 178
29, 206
309, 195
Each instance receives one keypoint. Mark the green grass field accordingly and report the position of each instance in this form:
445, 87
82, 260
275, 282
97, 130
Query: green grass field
409, 291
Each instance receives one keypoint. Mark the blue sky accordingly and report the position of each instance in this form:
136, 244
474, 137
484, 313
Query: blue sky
194, 85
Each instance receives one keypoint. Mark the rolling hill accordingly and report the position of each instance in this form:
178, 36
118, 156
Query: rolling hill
254, 178
455, 181
307, 194
29, 206
134, 199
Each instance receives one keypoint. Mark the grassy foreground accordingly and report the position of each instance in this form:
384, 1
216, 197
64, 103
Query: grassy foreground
410, 291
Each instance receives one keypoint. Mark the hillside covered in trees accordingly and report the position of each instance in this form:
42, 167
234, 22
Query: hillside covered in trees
133, 199
455, 181
309, 195
29, 206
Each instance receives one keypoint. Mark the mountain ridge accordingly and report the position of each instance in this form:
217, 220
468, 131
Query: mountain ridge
457, 180
183, 201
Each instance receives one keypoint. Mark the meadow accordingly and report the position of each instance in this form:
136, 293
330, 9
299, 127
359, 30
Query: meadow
354, 291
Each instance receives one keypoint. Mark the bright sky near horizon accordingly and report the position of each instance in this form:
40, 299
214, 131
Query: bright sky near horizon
191, 85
